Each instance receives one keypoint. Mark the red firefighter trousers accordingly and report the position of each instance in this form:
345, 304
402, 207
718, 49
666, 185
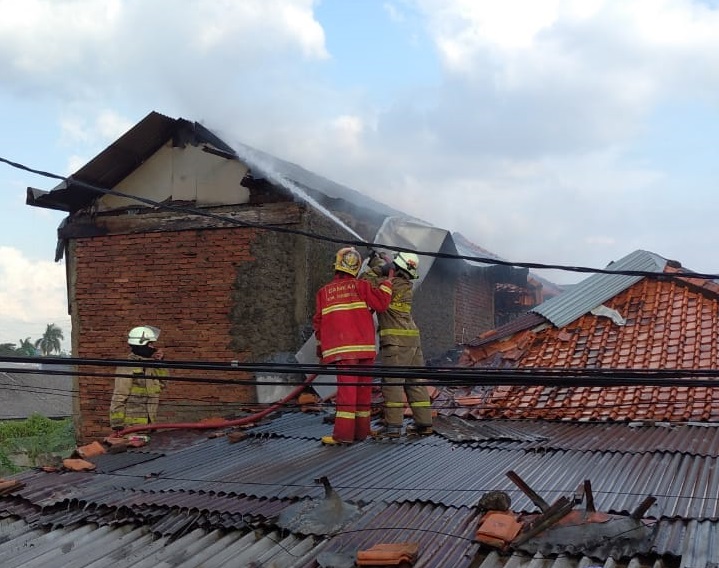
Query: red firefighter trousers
354, 398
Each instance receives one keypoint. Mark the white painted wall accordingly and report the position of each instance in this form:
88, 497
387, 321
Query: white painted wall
182, 174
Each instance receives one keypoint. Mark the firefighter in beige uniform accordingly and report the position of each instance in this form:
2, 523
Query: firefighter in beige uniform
136, 398
400, 346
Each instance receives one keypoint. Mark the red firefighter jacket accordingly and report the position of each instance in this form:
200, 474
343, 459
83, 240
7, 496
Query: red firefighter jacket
343, 322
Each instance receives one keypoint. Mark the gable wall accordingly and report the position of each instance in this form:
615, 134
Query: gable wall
181, 282
182, 174
218, 293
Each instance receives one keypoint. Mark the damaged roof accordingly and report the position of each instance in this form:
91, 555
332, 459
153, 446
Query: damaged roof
137, 145
595, 290
254, 498
606, 322
133, 148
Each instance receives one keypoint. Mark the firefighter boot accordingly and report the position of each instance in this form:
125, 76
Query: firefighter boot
330, 441
419, 430
387, 432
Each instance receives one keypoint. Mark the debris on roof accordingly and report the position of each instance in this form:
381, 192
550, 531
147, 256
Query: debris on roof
389, 554
318, 517
560, 523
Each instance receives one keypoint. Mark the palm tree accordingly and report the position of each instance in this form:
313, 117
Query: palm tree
26, 348
7, 349
50, 340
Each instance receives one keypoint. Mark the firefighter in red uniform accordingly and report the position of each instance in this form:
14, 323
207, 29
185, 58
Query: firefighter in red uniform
345, 334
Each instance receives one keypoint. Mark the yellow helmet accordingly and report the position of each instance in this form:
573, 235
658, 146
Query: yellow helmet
348, 260
409, 262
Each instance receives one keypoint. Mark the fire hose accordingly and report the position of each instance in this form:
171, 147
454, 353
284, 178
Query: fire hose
212, 424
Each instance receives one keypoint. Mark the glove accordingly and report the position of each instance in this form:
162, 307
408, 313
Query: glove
387, 268
318, 351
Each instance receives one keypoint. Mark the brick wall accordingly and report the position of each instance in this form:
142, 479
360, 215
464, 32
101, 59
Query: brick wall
474, 305
433, 309
181, 282
218, 294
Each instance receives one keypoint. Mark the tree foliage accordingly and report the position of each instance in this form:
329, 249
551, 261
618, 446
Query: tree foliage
7, 349
26, 348
50, 341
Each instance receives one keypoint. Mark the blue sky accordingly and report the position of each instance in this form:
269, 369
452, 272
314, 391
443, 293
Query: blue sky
559, 131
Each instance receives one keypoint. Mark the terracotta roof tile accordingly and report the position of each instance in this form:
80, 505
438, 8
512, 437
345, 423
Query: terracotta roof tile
669, 325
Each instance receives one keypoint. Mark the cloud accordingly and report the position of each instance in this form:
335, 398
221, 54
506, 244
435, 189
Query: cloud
526, 135
32, 295
111, 44
529, 142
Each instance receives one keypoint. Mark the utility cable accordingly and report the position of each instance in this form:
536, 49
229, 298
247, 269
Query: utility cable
430, 376
190, 402
442, 376
331, 369
360, 243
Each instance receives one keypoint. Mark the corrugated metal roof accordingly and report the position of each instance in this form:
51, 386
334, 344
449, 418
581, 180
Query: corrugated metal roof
275, 468
90, 545
595, 290
425, 489
632, 438
24, 393
534, 435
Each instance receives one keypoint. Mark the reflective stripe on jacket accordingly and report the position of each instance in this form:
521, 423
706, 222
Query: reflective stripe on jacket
396, 325
135, 399
343, 321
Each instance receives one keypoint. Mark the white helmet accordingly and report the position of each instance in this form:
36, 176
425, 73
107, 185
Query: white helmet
143, 335
409, 262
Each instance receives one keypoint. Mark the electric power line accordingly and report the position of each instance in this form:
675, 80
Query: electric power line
361, 243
